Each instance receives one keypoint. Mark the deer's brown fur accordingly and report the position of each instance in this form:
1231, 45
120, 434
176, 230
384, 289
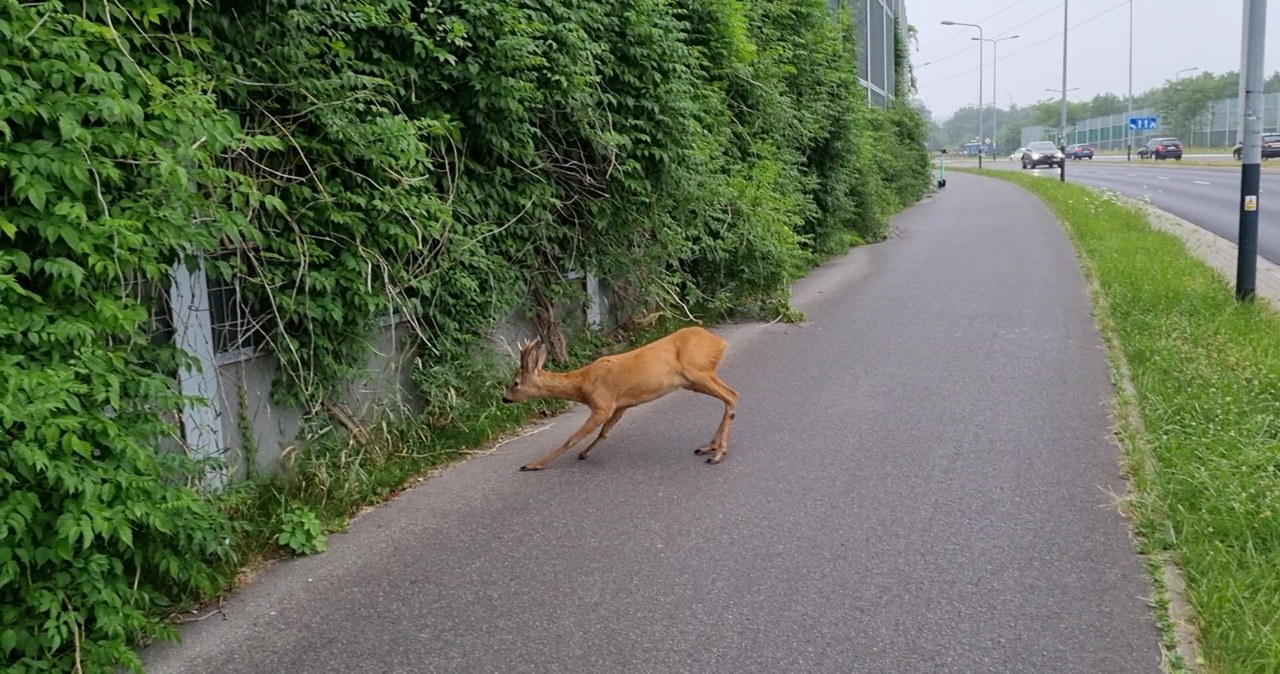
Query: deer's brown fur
611, 385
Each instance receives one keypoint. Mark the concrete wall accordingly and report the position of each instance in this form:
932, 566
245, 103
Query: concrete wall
255, 430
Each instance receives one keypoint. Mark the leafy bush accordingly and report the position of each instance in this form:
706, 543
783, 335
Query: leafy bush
445, 161
301, 531
98, 530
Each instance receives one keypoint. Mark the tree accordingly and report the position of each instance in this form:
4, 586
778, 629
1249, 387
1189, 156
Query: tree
1272, 85
1183, 104
1105, 104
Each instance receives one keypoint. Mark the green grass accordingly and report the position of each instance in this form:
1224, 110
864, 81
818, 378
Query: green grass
1203, 440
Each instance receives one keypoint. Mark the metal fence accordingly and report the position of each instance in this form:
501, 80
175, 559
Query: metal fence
1105, 133
874, 21
1217, 128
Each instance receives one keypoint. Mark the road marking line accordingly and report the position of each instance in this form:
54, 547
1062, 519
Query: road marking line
1162, 177
1201, 182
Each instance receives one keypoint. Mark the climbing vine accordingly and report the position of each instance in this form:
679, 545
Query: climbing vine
439, 163
103, 134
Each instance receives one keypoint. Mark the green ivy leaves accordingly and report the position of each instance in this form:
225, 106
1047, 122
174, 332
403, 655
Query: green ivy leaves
444, 160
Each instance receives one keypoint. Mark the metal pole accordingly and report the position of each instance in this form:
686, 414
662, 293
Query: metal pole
1062, 130
981, 66
995, 114
995, 117
1255, 23
981, 42
1128, 138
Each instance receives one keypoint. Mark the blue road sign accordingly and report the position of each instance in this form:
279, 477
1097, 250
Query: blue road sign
1144, 123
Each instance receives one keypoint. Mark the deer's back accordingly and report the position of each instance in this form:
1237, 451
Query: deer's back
659, 367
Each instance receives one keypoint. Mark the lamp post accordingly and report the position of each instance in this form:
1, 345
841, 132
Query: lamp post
995, 118
1062, 175
980, 67
1128, 138
1063, 131
1191, 124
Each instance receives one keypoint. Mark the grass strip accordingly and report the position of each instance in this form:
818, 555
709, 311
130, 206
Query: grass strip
1203, 380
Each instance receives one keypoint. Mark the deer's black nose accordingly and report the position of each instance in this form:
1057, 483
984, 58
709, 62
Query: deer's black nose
507, 400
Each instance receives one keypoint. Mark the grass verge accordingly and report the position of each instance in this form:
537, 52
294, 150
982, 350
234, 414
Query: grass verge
1202, 399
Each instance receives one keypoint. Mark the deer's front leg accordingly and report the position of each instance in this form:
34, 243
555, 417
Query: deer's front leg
597, 418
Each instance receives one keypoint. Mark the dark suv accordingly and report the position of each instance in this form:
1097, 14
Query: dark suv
1041, 153
1080, 151
1270, 147
1161, 148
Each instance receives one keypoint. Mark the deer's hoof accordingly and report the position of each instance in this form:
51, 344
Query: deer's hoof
582, 457
529, 466
713, 460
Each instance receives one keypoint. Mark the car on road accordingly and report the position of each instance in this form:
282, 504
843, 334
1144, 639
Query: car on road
1080, 151
1042, 153
1161, 148
1270, 147
1017, 154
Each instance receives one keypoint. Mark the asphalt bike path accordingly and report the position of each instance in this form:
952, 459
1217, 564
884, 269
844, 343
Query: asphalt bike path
921, 478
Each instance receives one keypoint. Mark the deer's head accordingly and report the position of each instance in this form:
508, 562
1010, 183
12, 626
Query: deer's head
532, 357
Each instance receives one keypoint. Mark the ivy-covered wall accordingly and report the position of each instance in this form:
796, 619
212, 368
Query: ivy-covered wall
337, 162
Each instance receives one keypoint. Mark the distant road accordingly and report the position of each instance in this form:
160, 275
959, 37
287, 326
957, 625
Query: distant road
1205, 196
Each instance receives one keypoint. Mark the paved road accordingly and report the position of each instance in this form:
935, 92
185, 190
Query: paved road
1208, 197
919, 481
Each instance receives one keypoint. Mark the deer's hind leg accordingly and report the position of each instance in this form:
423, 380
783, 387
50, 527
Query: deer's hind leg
712, 385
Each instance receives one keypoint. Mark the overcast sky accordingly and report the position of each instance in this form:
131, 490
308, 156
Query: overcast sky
1169, 35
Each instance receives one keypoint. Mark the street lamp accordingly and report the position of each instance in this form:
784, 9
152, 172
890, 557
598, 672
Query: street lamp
1192, 123
980, 67
1062, 132
995, 118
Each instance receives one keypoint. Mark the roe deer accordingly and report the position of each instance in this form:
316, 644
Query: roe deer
611, 385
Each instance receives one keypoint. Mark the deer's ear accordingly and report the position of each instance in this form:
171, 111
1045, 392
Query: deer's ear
541, 358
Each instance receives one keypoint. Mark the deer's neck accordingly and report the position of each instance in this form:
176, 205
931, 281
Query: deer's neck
561, 385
